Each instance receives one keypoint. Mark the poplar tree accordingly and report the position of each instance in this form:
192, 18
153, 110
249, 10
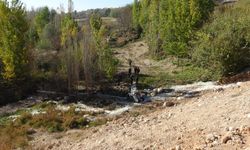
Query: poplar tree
144, 14
13, 44
107, 64
69, 42
136, 14
153, 34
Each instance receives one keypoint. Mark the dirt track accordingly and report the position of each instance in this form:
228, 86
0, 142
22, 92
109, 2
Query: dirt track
215, 120
138, 52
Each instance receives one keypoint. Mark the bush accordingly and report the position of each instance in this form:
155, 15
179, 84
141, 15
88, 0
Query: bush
223, 45
12, 91
13, 137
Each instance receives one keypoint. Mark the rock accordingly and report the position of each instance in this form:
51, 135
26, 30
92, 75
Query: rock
180, 98
226, 138
101, 141
51, 146
219, 90
170, 115
30, 131
147, 62
210, 138
239, 84
159, 90
153, 93
168, 104
215, 143
248, 116
189, 96
231, 129
178, 147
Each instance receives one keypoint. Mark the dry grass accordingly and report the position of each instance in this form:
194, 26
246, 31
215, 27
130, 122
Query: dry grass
15, 134
12, 137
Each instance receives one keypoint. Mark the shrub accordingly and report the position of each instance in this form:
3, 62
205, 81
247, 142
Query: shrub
223, 45
12, 137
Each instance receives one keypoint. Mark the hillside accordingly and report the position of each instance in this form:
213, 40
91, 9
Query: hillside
215, 120
152, 75
215, 117
138, 52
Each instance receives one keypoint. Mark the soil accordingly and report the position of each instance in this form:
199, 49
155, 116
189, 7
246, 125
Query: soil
218, 119
138, 52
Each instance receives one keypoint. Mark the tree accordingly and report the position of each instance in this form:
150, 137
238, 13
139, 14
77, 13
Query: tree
169, 25
223, 44
42, 19
144, 14
107, 64
69, 42
125, 17
136, 14
153, 32
13, 51
179, 20
90, 61
49, 38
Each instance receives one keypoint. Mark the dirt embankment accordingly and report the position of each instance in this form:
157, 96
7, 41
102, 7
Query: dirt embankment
217, 119
138, 52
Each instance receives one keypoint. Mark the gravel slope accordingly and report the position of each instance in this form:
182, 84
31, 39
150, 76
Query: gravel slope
215, 120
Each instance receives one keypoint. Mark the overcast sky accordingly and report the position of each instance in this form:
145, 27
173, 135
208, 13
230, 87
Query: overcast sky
78, 4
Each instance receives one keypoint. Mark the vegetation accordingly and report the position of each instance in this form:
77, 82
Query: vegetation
14, 52
107, 64
13, 44
169, 25
187, 30
43, 49
17, 133
223, 44
55, 51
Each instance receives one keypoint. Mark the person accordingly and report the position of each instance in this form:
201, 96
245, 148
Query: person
136, 72
130, 75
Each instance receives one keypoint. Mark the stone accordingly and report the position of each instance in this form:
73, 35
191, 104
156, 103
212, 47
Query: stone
30, 131
159, 90
231, 129
226, 138
180, 98
153, 94
168, 104
51, 146
210, 138
178, 147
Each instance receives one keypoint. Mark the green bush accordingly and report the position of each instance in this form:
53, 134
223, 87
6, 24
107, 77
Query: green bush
223, 45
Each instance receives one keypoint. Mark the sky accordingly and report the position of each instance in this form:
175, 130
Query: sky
79, 5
